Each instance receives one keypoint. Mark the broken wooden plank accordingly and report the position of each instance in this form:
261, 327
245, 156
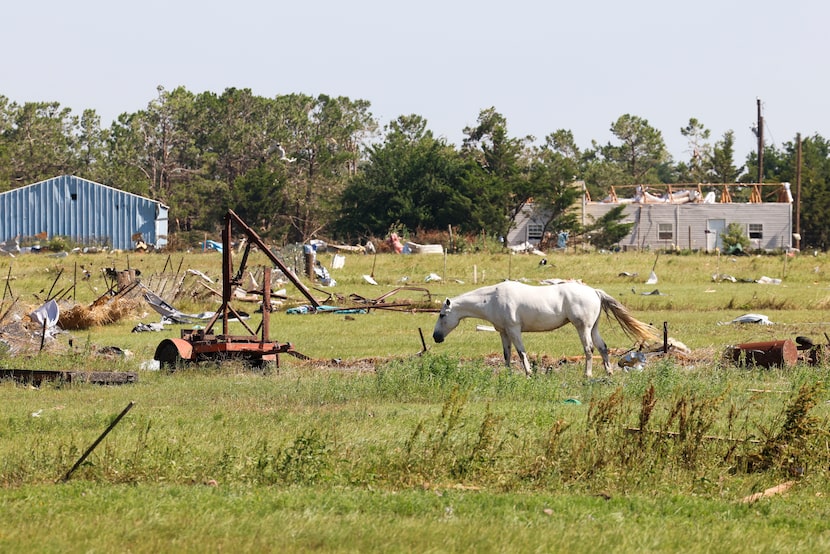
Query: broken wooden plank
37, 376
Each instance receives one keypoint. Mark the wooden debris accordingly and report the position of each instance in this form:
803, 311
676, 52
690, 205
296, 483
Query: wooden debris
772, 491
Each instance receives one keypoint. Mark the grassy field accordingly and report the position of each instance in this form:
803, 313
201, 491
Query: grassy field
375, 445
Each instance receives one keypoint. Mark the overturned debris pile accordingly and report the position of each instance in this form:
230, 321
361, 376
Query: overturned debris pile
22, 334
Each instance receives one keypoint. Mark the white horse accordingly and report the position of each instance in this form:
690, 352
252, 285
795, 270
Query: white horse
513, 307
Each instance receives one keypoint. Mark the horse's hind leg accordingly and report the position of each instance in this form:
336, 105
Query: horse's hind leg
588, 347
602, 347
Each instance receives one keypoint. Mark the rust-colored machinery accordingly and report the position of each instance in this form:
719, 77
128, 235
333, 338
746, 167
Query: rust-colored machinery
255, 348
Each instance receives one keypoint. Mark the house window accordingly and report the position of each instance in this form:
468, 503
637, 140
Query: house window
665, 231
756, 230
534, 231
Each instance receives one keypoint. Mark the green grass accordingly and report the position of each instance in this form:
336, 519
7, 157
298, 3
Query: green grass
398, 450
148, 518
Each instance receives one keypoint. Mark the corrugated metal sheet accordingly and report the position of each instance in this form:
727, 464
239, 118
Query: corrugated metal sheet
86, 212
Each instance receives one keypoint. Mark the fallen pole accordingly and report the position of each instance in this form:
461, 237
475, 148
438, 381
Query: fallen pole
97, 442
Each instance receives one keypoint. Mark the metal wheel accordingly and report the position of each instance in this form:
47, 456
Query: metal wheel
168, 356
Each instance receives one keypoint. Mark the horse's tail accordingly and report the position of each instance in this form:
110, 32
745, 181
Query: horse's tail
633, 327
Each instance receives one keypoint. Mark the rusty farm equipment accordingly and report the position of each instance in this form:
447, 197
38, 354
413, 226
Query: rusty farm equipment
255, 348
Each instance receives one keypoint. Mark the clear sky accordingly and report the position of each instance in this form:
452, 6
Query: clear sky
543, 64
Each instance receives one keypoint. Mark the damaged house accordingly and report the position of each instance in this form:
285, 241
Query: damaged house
86, 212
682, 216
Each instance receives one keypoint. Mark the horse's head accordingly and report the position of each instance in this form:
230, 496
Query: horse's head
447, 321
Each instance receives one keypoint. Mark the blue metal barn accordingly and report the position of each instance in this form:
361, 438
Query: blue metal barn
86, 212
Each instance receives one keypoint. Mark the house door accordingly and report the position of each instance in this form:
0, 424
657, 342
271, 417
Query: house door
714, 228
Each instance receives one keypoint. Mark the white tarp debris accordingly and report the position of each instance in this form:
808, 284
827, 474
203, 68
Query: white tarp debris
48, 315
750, 318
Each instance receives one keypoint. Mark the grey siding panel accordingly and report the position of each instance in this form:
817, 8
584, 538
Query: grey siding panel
85, 211
689, 223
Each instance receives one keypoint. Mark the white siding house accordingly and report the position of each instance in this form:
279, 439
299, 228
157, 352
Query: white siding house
685, 220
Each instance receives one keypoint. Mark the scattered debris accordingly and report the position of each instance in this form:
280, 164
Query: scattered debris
749, 318
22, 333
416, 248
652, 277
172, 314
145, 327
526, 248
200, 274
764, 280
633, 361
10, 247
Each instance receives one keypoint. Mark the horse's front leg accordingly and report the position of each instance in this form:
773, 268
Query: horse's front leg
505, 347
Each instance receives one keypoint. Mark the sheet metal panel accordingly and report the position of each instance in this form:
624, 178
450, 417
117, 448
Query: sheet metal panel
89, 213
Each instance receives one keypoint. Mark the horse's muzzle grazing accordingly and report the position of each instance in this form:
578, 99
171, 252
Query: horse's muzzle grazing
438, 337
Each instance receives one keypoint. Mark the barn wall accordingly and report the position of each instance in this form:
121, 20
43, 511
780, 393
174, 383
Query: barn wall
85, 211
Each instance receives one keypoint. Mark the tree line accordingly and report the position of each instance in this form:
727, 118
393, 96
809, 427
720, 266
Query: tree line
297, 166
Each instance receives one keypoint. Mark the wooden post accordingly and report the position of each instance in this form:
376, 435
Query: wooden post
798, 194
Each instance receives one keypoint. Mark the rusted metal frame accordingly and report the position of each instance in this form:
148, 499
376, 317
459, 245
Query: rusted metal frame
400, 307
265, 250
242, 264
266, 302
398, 289
226, 275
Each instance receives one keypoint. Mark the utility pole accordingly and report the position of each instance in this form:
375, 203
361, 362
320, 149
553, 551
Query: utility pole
760, 134
798, 193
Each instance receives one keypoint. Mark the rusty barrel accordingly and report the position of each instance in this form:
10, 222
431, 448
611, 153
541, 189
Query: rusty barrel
775, 353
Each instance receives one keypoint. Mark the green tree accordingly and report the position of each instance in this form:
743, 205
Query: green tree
157, 143
734, 238
608, 230
411, 179
498, 171
324, 140
640, 152
781, 166
92, 147
722, 169
697, 137
553, 174
39, 142
815, 190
